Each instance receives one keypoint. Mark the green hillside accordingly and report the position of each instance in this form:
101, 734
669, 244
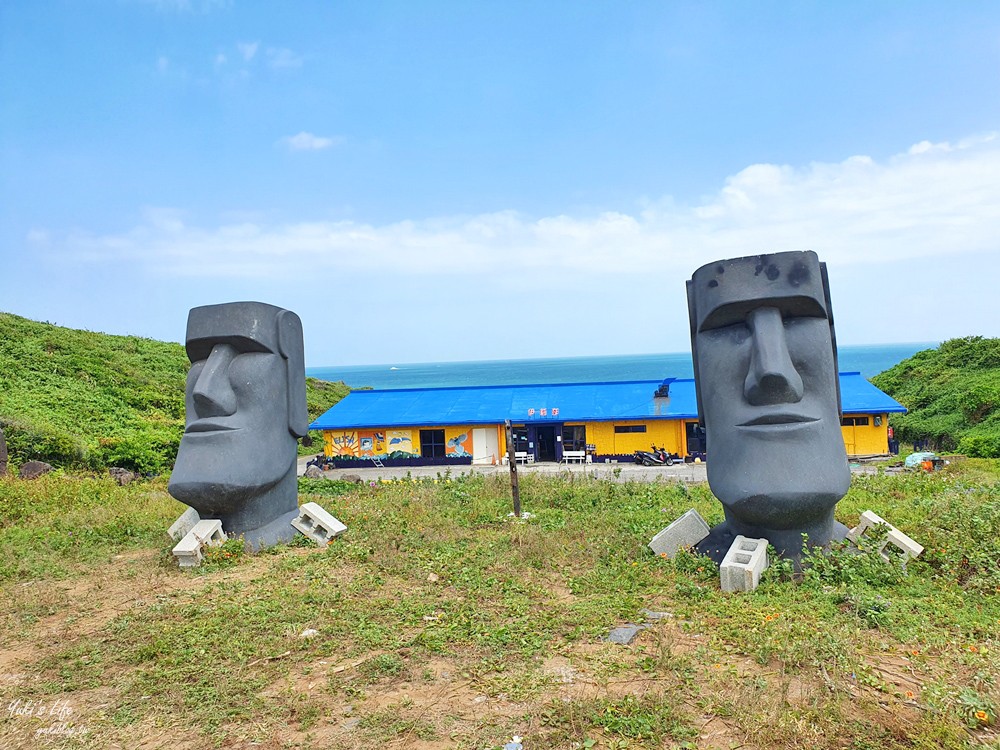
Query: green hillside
91, 400
953, 396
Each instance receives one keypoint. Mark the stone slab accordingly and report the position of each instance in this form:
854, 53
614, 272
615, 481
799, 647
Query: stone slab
686, 531
625, 634
184, 523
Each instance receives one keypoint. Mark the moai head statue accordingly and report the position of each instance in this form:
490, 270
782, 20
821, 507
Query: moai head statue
765, 367
246, 407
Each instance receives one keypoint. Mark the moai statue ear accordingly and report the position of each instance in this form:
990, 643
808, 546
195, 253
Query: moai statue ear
291, 348
689, 285
833, 336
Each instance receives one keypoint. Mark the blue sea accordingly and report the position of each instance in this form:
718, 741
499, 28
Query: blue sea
868, 360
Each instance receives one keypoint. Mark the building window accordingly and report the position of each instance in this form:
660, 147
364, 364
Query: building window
432, 443
854, 421
574, 437
520, 435
620, 428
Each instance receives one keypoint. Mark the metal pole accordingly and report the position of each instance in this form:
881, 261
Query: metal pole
512, 460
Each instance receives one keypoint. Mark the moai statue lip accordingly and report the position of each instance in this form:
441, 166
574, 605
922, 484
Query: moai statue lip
245, 408
765, 362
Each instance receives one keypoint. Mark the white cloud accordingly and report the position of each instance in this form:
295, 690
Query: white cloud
308, 142
162, 63
279, 57
921, 205
248, 49
221, 59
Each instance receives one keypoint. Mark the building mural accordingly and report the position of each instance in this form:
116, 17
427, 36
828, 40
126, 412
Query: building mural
400, 441
372, 443
459, 442
345, 444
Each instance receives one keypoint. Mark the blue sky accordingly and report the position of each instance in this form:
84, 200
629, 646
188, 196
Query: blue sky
428, 181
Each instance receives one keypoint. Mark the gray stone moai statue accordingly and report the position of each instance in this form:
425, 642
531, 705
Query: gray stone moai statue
765, 368
246, 407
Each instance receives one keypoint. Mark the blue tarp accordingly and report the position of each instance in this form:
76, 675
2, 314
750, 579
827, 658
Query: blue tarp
571, 402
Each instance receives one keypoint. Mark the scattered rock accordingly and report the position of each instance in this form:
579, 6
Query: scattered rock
625, 634
309, 633
313, 472
122, 476
34, 469
652, 616
433, 578
351, 478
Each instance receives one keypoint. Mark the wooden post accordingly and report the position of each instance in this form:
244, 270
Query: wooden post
512, 460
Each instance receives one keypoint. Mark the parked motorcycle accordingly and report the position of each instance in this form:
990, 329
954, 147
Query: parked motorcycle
321, 461
656, 457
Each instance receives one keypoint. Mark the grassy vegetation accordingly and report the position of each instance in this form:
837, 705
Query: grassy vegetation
952, 394
444, 623
89, 400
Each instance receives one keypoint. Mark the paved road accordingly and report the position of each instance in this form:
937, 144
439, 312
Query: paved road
614, 472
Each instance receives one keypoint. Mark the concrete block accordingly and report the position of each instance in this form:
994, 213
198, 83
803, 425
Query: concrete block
743, 564
314, 522
868, 520
895, 538
686, 531
184, 523
189, 550
209, 532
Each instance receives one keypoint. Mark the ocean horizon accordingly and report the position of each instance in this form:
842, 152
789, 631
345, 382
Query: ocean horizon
869, 360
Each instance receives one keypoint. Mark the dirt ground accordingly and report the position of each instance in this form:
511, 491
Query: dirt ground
435, 705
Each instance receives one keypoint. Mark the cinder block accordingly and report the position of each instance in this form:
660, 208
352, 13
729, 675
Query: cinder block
188, 551
686, 531
743, 564
184, 523
314, 522
210, 532
207, 533
868, 519
895, 537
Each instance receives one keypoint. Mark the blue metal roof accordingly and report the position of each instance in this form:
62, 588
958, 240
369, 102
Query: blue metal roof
858, 396
564, 402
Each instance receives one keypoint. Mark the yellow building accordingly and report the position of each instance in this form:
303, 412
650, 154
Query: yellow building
598, 421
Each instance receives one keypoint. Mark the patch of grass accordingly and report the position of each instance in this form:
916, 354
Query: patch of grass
52, 525
434, 578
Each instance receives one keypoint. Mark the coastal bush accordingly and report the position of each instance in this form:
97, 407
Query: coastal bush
89, 400
952, 394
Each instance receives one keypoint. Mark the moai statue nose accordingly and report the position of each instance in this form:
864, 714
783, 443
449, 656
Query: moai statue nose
772, 378
213, 394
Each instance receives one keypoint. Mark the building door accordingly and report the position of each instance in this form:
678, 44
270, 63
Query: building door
546, 439
485, 446
694, 435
